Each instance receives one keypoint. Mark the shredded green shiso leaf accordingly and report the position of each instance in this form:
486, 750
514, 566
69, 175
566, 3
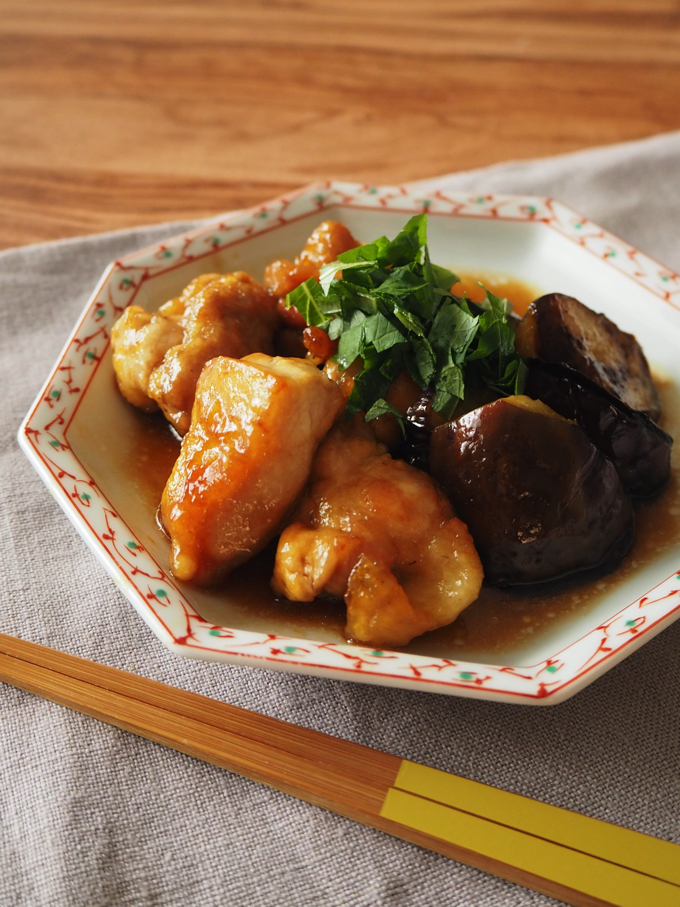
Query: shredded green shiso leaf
394, 310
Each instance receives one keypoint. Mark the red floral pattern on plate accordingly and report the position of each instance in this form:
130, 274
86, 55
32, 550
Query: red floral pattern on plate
163, 605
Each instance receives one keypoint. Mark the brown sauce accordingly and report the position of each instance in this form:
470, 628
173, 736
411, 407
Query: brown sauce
520, 293
501, 620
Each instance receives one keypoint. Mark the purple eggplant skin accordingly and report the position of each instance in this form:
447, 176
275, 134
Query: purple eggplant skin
421, 420
638, 448
417, 430
560, 329
540, 501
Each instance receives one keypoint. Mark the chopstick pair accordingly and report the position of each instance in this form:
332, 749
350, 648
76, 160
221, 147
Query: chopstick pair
568, 856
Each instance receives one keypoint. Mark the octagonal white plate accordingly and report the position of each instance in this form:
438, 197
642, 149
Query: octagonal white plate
79, 431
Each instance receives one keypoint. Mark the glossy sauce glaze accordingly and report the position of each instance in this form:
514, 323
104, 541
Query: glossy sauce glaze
520, 293
501, 620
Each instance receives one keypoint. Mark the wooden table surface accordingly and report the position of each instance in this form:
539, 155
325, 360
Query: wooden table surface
115, 114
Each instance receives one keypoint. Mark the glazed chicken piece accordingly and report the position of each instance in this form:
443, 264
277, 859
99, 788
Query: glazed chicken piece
158, 358
281, 277
139, 341
381, 534
324, 245
255, 428
230, 316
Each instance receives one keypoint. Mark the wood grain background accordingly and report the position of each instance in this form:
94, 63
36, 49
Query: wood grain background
114, 114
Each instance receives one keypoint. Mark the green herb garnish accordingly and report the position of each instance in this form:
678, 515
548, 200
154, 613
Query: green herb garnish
393, 309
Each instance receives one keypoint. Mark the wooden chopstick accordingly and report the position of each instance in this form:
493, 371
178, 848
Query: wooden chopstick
562, 854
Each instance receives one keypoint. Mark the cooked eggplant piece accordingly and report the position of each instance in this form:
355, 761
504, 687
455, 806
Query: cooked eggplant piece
561, 329
639, 449
421, 420
539, 499
417, 432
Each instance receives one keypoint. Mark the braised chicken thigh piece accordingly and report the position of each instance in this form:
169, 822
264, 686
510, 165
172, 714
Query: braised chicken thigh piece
256, 425
281, 277
158, 358
381, 534
324, 245
139, 341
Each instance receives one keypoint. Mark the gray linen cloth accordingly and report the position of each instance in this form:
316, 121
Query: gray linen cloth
90, 815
